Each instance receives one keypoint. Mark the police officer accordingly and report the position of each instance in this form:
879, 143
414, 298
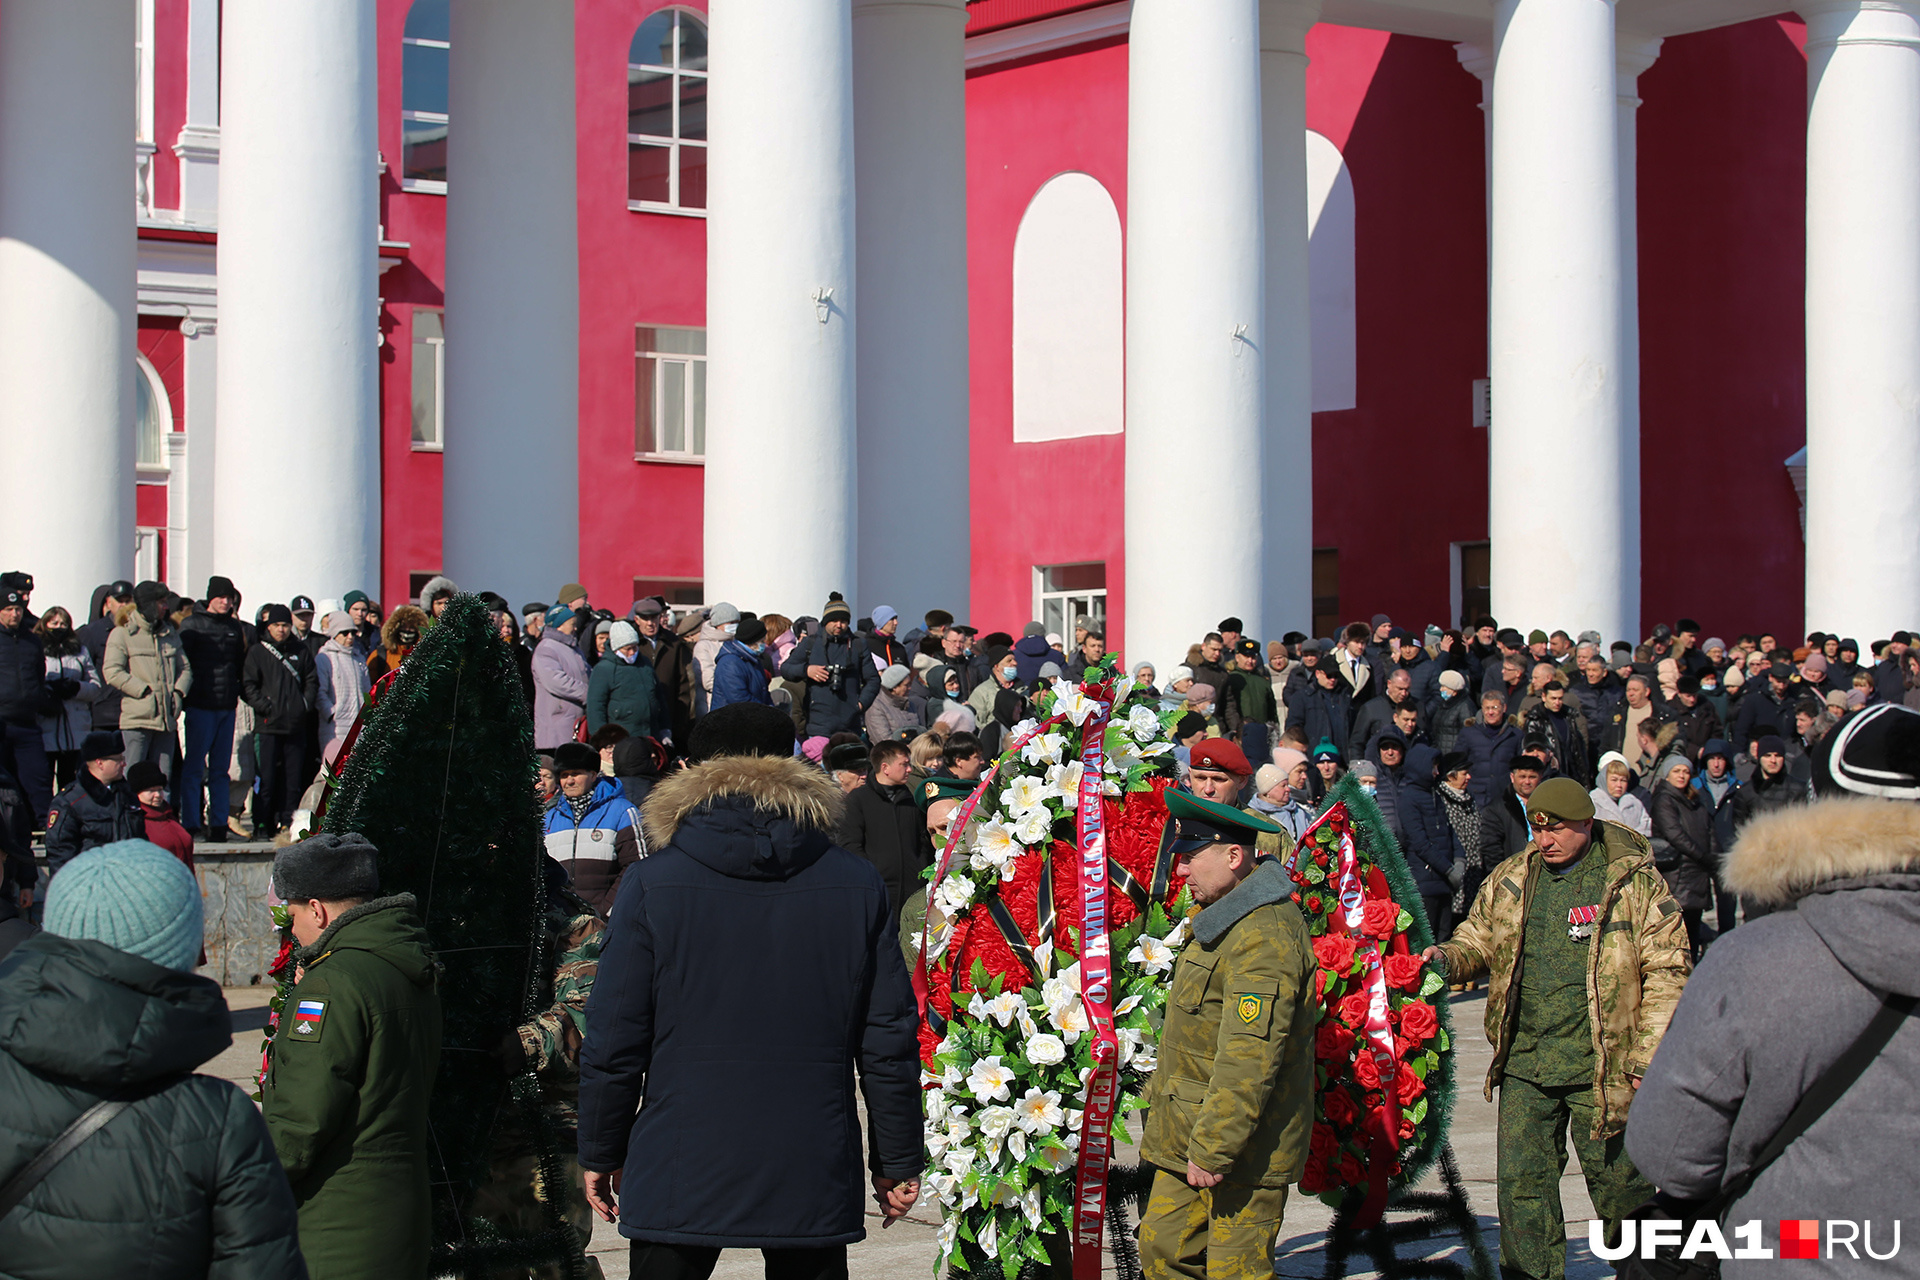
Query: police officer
353, 1061
1232, 1100
1586, 955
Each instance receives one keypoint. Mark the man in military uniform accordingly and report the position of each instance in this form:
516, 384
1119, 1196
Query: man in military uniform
940, 798
550, 1045
1232, 1101
353, 1062
1586, 954
1219, 772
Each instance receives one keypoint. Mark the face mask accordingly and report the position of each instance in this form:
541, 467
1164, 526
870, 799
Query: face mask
1707, 686
1370, 788
1446, 694
1009, 674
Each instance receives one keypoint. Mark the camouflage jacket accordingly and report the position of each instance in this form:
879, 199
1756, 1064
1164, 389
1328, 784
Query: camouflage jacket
552, 1039
1233, 1090
1637, 963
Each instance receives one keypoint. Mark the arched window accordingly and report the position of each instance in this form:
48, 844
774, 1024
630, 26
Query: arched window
1069, 340
152, 417
1330, 280
423, 97
667, 113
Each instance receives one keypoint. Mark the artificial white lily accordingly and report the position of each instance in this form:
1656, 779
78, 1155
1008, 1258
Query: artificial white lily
989, 1080
1039, 1112
1025, 794
1044, 748
954, 895
1151, 954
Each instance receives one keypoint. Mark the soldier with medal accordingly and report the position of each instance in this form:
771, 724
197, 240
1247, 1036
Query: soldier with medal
1586, 953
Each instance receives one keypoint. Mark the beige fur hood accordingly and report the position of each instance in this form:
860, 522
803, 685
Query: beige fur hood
1779, 857
791, 788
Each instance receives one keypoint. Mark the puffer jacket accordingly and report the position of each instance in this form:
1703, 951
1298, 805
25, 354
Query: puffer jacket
216, 647
1772, 1006
280, 685
149, 667
738, 676
93, 634
23, 676
1489, 749
1432, 847
1637, 964
627, 694
560, 677
596, 847
185, 1183
66, 728
1446, 717
1683, 844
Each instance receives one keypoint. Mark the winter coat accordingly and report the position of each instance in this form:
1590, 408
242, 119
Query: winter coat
1597, 702
1566, 736
346, 1098
1761, 795
1699, 725
738, 676
88, 814
830, 710
888, 716
560, 679
164, 829
766, 956
1761, 714
72, 720
1772, 1006
280, 683
93, 635
15, 928
597, 847
343, 683
16, 831
1628, 811
886, 827
1033, 653
216, 648
1683, 845
149, 668
23, 676
1432, 847
185, 1184
706, 652
1246, 698
1446, 718
1503, 827
1489, 751
624, 693
1637, 964
1320, 712
672, 662
1373, 717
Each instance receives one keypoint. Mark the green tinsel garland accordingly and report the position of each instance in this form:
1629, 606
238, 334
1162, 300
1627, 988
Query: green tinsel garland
441, 781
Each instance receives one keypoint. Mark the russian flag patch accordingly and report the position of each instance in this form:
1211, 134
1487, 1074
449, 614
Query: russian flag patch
307, 1016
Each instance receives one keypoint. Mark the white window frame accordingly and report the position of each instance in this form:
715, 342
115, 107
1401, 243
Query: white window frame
439, 442
155, 472
660, 358
146, 553
143, 144
1091, 601
426, 186
676, 143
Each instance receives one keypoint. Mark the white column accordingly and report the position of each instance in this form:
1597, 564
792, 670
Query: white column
190, 490
910, 148
1196, 320
1633, 55
780, 307
513, 301
298, 480
199, 143
1558, 503
1288, 523
1863, 317
66, 293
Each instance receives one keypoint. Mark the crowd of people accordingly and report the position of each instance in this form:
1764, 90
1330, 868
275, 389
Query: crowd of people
699, 766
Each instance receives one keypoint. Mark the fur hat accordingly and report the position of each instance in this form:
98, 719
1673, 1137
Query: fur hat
741, 729
333, 867
575, 757
403, 628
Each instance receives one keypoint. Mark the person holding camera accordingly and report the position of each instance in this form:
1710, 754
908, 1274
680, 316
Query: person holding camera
840, 681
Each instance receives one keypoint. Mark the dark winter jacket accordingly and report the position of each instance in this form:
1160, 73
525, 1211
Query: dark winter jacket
597, 847
1373, 716
1566, 736
738, 676
1699, 725
88, 814
886, 827
1683, 846
1761, 795
346, 1098
1761, 714
1489, 751
1033, 653
1432, 847
672, 662
1247, 697
183, 1184
93, 634
1445, 718
23, 677
216, 647
1597, 702
838, 705
1772, 1006
281, 684
16, 830
627, 694
15, 927
751, 968
1321, 712
1503, 826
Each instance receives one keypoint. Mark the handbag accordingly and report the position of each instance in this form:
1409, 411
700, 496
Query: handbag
1667, 1264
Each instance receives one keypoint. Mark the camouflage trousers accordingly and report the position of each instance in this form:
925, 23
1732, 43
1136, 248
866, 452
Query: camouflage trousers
1535, 1123
510, 1202
1225, 1232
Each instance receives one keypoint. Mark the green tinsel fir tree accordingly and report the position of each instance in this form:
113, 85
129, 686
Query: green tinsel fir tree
441, 781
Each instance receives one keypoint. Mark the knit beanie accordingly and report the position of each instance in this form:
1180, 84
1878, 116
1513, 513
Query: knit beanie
1669, 764
135, 897
835, 609
622, 634
1287, 758
1267, 777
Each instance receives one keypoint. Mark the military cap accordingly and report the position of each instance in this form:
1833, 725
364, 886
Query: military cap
332, 867
1248, 646
1559, 800
1199, 823
942, 787
1221, 754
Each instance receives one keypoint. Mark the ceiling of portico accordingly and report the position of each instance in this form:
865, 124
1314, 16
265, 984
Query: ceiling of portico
1471, 21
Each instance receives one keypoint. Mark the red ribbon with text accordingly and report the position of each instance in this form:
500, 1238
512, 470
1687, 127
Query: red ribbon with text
1096, 991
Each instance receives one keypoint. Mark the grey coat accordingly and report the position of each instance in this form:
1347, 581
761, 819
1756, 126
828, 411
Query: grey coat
1774, 1003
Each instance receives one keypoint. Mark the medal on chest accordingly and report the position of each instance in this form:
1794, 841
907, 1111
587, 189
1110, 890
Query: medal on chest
1580, 922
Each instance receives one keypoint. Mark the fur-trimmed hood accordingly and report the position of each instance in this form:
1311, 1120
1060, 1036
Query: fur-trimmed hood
753, 817
1783, 855
405, 616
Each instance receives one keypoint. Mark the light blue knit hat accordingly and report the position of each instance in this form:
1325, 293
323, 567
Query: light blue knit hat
135, 897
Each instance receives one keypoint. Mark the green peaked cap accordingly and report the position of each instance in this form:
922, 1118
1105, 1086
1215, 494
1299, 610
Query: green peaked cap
1204, 822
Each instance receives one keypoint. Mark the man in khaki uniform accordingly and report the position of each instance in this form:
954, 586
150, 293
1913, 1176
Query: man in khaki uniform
1232, 1101
1586, 954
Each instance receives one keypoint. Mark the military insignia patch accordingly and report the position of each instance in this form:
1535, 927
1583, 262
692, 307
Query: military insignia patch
933, 791
1250, 1007
307, 1017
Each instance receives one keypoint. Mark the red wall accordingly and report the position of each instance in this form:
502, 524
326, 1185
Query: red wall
1027, 122
169, 98
158, 339
1722, 328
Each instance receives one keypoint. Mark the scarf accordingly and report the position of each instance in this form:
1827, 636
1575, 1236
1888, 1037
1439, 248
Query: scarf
1465, 820
579, 805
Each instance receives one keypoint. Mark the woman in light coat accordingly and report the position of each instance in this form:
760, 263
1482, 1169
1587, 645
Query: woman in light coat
344, 683
67, 660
